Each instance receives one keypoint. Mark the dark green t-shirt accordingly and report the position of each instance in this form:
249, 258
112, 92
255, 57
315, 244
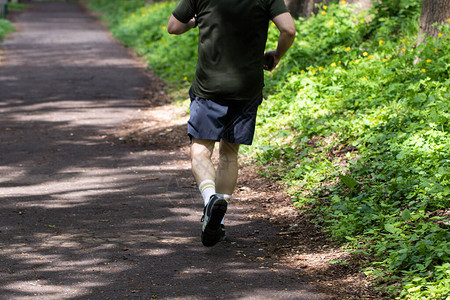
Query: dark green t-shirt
232, 41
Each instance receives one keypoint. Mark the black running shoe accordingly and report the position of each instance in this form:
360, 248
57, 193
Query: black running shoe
213, 213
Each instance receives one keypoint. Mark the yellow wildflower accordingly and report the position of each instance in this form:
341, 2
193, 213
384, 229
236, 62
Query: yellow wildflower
429, 60
423, 70
333, 64
348, 49
185, 78
343, 2
365, 54
381, 42
370, 56
404, 40
331, 23
364, 78
164, 28
324, 12
320, 69
325, 7
409, 42
435, 50
384, 60
440, 34
313, 71
403, 49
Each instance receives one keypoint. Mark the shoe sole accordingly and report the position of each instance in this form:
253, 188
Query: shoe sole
212, 232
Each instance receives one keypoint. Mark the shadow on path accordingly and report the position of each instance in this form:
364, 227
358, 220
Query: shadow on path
84, 216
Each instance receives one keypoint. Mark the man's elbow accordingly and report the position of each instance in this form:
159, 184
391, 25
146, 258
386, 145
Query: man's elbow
290, 32
288, 35
172, 29
174, 26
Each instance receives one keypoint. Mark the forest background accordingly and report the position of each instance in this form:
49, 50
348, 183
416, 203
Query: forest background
355, 124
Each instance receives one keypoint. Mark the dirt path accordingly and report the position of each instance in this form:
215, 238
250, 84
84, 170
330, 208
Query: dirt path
84, 215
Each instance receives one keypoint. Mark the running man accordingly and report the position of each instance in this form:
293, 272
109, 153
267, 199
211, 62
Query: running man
227, 89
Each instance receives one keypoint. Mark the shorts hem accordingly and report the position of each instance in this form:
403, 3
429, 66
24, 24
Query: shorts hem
248, 143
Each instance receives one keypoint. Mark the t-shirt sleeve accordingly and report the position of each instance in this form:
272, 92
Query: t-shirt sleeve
277, 7
184, 11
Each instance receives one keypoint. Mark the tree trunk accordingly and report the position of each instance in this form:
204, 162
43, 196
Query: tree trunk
308, 8
303, 8
433, 12
296, 7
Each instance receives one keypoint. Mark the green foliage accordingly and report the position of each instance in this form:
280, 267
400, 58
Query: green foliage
355, 123
393, 18
12, 6
5, 28
55, 0
359, 130
143, 28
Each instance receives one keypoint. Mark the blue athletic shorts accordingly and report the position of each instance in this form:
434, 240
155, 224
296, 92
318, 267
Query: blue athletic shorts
232, 121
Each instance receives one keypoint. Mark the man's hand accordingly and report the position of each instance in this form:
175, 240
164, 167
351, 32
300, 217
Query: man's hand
270, 60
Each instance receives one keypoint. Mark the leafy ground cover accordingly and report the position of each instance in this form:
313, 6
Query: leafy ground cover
13, 6
5, 25
5, 28
355, 123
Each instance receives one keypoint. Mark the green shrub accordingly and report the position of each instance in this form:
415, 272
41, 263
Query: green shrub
360, 133
13, 6
5, 28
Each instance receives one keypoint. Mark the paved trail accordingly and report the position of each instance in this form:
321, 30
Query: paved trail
84, 217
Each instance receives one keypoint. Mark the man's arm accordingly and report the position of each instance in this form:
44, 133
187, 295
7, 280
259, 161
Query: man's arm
286, 26
176, 27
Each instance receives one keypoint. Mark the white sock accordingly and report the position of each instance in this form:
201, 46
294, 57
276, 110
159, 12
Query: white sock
225, 196
207, 188
228, 199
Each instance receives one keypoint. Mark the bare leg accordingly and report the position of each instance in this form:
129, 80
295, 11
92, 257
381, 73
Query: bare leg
202, 166
227, 170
